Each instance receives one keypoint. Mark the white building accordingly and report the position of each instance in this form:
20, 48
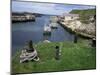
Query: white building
29, 16
68, 17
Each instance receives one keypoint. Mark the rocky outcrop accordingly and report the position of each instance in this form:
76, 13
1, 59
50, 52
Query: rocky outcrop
87, 30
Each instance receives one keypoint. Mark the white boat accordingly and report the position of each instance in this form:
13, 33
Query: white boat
53, 19
47, 29
53, 25
46, 41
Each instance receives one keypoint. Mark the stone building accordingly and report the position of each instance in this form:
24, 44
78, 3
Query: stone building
68, 17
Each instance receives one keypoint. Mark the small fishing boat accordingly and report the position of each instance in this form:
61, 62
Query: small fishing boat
54, 25
47, 30
46, 41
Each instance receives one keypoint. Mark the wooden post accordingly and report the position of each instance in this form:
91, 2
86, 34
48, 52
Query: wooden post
93, 42
30, 45
75, 38
57, 56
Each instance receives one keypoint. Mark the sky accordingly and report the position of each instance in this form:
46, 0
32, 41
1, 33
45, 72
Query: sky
46, 8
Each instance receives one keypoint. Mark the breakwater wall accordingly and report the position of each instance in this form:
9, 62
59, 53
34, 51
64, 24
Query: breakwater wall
22, 17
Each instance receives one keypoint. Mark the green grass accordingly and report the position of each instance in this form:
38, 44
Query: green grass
84, 14
73, 57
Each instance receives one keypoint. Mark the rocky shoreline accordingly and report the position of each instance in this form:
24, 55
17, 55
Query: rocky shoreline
85, 30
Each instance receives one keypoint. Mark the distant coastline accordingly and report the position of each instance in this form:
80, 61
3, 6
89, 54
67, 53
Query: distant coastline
24, 17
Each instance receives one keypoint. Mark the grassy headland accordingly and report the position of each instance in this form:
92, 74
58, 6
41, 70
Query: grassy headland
84, 14
73, 57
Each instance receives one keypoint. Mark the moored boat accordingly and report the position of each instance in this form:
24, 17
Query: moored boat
54, 25
47, 30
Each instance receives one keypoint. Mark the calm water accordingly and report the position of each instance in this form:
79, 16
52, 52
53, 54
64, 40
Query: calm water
23, 32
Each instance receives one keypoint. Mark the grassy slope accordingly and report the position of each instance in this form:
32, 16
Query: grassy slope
84, 14
74, 56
